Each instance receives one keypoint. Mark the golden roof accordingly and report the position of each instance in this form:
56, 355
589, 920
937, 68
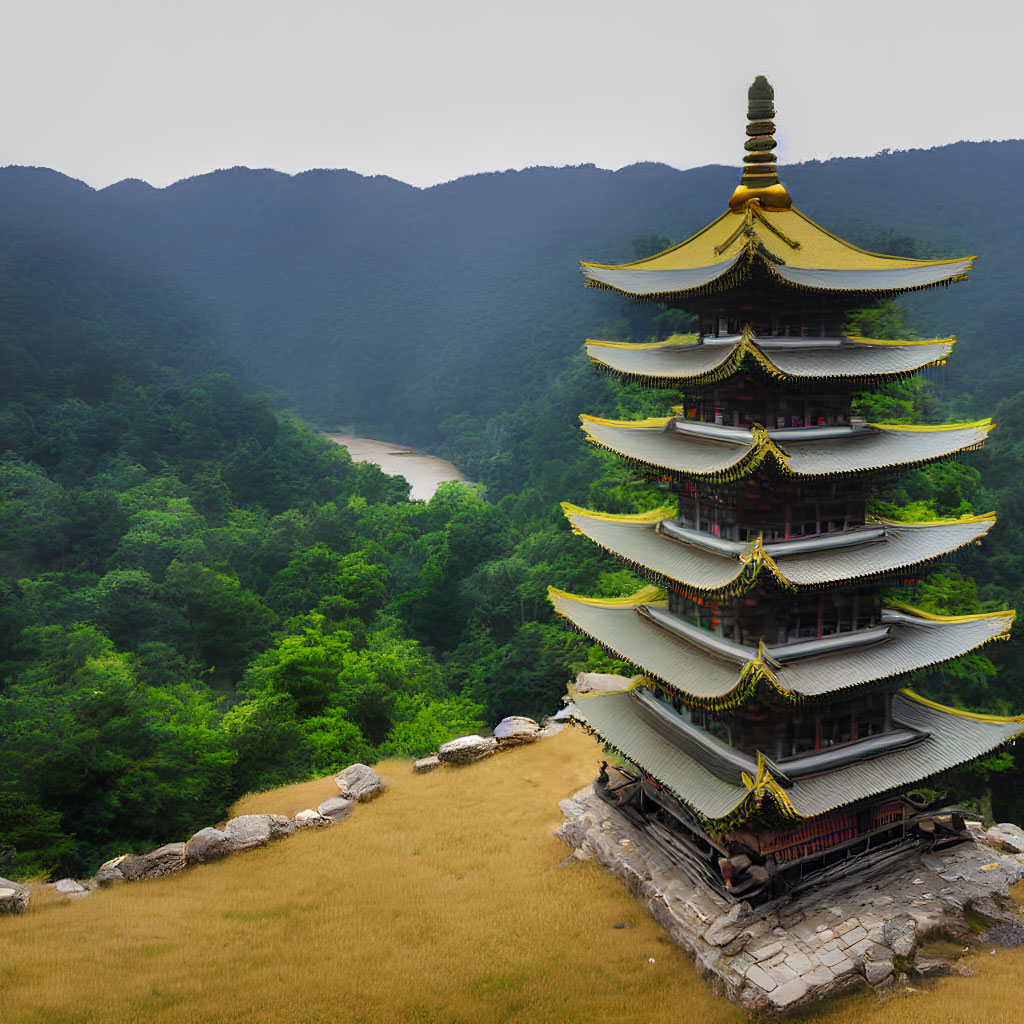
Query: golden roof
787, 242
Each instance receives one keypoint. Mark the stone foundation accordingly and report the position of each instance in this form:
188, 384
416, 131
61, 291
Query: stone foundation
852, 932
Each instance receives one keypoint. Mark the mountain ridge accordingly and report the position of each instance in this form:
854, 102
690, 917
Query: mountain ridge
468, 291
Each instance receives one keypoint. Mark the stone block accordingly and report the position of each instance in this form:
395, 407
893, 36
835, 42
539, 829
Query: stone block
734, 947
760, 978
789, 993
843, 967
766, 952
738, 963
852, 936
724, 929
799, 962
428, 764
860, 948
900, 934
831, 957
876, 971
820, 977
780, 973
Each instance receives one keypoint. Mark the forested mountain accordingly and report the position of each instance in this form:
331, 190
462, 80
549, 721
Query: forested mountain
373, 303
198, 596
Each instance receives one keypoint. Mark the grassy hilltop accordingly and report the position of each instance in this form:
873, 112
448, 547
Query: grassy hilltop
442, 901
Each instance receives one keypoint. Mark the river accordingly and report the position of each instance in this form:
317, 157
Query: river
424, 472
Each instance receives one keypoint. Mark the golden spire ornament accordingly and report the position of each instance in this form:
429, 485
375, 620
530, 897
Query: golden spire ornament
760, 178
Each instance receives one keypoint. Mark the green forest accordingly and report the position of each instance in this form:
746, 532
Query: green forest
201, 597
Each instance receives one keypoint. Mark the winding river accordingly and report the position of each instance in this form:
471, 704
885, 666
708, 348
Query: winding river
425, 473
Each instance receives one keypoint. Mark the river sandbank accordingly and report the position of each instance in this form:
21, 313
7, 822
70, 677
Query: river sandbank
424, 472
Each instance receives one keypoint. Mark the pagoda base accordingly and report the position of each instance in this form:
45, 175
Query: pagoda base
855, 931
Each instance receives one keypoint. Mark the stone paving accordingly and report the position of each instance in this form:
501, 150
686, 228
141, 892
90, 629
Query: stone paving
854, 932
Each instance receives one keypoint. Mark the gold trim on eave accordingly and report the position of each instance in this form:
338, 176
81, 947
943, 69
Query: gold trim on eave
662, 421
985, 517
1008, 614
974, 716
654, 515
985, 424
951, 340
645, 595
675, 339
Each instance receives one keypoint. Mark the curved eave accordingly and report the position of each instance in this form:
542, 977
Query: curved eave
953, 738
651, 444
670, 364
663, 285
703, 677
799, 252
894, 281
698, 569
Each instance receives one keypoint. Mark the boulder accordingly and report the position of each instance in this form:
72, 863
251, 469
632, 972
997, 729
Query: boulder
426, 764
728, 927
515, 730
1006, 837
931, 965
876, 971
1004, 934
164, 860
206, 844
900, 934
604, 682
359, 782
249, 830
71, 888
337, 808
110, 871
13, 897
311, 819
466, 749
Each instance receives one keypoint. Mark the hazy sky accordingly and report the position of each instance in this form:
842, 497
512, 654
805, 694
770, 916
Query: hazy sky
428, 91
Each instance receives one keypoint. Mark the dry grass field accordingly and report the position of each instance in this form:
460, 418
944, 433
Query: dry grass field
442, 901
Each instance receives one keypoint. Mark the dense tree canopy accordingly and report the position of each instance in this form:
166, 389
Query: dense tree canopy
199, 596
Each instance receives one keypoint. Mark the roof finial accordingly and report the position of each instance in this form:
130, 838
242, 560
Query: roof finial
760, 178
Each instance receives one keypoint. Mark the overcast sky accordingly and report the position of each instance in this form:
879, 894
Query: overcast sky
428, 91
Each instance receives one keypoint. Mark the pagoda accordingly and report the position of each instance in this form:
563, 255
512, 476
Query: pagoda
767, 738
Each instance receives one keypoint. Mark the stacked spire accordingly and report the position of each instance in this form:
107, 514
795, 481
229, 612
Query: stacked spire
760, 177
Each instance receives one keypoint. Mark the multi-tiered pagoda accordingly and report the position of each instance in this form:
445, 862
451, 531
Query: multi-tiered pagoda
768, 731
